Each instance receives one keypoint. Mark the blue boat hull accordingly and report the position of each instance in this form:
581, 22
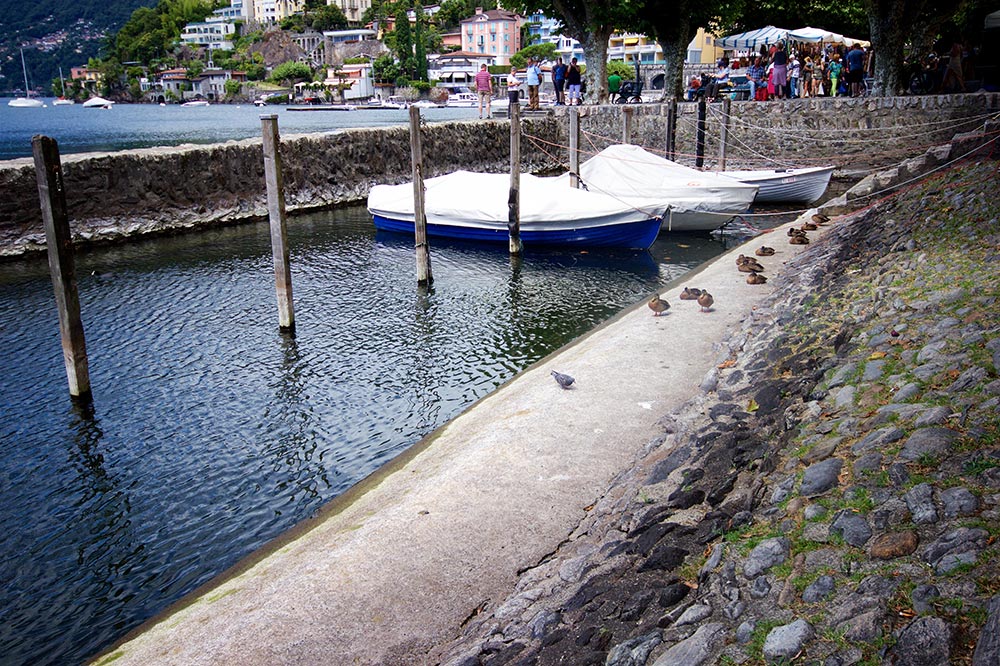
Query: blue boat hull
629, 235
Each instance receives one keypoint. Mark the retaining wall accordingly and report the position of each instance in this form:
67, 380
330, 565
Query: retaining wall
111, 196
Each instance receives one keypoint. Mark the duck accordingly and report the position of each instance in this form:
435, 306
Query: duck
690, 294
809, 226
756, 278
820, 218
801, 239
705, 300
750, 266
658, 305
764, 251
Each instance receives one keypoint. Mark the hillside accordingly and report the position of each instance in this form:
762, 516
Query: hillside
56, 33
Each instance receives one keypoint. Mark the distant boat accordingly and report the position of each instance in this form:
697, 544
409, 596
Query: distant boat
196, 102
61, 100
786, 185
473, 207
97, 103
25, 102
463, 99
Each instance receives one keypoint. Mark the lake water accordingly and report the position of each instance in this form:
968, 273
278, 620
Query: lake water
212, 433
142, 125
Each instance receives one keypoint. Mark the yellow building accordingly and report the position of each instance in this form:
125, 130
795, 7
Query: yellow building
626, 46
353, 9
272, 11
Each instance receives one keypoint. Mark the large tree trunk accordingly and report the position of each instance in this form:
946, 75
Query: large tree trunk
595, 52
674, 53
889, 34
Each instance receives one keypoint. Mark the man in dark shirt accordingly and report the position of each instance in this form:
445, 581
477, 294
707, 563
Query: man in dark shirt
559, 81
855, 68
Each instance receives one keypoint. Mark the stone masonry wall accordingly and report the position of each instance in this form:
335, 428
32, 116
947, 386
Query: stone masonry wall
117, 195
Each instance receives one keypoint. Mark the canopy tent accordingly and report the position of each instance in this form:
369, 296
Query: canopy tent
992, 21
825, 36
753, 38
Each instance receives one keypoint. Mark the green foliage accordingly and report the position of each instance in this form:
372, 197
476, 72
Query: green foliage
152, 32
385, 69
291, 72
452, 12
404, 42
328, 17
542, 52
622, 69
232, 87
419, 45
422, 86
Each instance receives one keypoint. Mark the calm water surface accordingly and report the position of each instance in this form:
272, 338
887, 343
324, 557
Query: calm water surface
142, 125
212, 433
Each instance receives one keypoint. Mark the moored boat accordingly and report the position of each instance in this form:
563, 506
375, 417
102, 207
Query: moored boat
695, 200
26, 102
196, 102
786, 185
473, 206
463, 99
97, 103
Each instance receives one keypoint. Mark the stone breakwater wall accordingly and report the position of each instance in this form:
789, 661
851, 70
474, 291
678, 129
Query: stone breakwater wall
802, 132
112, 196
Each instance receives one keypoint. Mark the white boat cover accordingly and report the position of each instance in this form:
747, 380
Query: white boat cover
97, 101
644, 179
465, 198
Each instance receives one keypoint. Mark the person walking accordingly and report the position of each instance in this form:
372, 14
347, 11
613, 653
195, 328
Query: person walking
614, 85
780, 71
559, 81
573, 82
484, 86
533, 77
855, 69
513, 83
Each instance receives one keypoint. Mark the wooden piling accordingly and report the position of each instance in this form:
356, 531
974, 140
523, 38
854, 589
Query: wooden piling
627, 124
52, 196
699, 160
574, 147
671, 129
423, 253
727, 104
275, 182
514, 201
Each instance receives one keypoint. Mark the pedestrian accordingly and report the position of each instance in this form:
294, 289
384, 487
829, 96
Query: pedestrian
484, 86
794, 72
755, 76
780, 71
807, 77
513, 83
614, 85
835, 69
694, 88
954, 77
573, 82
533, 77
721, 80
559, 81
855, 69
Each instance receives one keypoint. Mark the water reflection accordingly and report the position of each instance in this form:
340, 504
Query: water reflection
211, 432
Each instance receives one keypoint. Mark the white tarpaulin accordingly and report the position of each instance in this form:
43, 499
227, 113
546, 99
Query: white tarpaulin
753, 38
825, 36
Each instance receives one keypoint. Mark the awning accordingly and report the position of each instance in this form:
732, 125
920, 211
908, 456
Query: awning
753, 38
824, 36
631, 41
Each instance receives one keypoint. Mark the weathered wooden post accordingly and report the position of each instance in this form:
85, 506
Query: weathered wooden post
727, 104
514, 200
423, 252
52, 196
671, 129
275, 182
574, 147
627, 124
699, 160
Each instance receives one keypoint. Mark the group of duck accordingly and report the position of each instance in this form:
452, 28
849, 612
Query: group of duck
705, 300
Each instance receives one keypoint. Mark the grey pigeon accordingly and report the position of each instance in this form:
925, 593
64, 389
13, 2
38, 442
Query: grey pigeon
564, 381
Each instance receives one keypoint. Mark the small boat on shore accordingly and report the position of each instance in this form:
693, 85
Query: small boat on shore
695, 200
785, 185
473, 207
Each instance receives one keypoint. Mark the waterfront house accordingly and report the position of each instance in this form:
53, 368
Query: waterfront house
457, 69
495, 32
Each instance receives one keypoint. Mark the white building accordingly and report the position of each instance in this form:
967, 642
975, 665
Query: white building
353, 9
214, 33
272, 11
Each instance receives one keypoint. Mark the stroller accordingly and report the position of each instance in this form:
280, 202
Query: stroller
630, 92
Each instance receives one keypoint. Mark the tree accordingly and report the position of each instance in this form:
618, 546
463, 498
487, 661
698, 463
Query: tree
328, 17
419, 44
453, 12
546, 51
291, 72
590, 22
385, 69
404, 42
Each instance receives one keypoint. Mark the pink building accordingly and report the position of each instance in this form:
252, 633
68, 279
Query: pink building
495, 32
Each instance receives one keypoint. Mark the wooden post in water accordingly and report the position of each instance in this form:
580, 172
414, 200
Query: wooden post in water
423, 252
275, 182
671, 129
574, 147
52, 196
699, 160
514, 200
727, 104
627, 124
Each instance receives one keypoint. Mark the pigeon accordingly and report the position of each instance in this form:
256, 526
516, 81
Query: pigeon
756, 278
690, 294
564, 381
658, 305
764, 251
705, 301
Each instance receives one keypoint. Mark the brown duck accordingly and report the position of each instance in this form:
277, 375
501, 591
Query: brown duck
749, 265
764, 251
690, 294
756, 278
799, 239
809, 226
820, 218
658, 305
706, 301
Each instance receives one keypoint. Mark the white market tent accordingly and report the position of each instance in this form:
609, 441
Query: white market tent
825, 36
992, 20
753, 38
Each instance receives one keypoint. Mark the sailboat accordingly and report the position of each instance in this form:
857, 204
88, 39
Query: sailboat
61, 100
25, 102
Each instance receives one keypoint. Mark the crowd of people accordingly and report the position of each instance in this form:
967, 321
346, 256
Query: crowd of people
776, 72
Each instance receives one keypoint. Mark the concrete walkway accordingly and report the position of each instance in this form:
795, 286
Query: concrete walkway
394, 567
